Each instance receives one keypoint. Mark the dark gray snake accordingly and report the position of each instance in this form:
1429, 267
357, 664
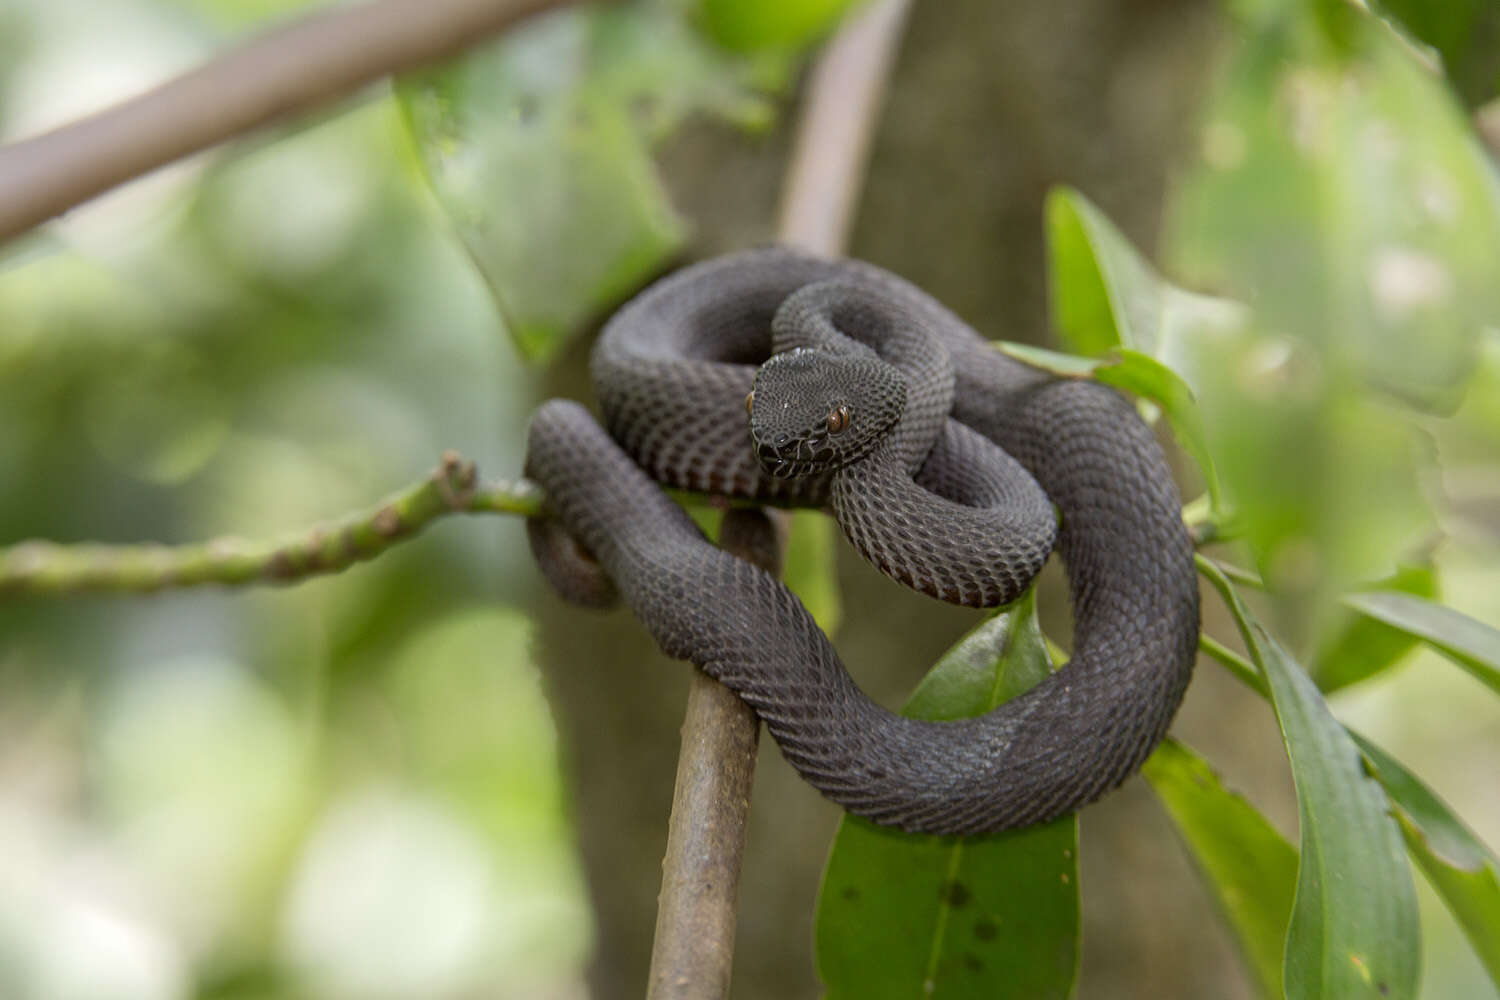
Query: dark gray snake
942, 459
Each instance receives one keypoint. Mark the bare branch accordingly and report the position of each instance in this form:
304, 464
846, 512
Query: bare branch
289, 70
49, 568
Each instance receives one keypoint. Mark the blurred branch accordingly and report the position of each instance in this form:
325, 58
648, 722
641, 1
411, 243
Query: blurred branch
49, 568
695, 923
845, 93
287, 71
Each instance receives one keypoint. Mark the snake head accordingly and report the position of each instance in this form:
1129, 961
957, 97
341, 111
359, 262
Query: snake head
812, 411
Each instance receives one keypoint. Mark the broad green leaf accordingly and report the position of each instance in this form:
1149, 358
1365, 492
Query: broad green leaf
1459, 866
1465, 33
1247, 864
1358, 647
1471, 644
1142, 376
744, 25
903, 916
539, 148
1354, 930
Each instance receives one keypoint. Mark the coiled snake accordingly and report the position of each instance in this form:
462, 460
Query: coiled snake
942, 459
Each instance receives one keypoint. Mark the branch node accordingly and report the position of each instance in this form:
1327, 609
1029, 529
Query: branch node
387, 522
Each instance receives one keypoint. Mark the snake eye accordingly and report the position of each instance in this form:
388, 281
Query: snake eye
749, 402
838, 419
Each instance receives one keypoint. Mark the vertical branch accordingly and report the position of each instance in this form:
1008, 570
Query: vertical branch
695, 921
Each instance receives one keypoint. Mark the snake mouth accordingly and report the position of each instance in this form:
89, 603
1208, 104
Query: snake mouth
789, 458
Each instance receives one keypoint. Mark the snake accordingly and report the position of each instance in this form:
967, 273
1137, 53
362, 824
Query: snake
775, 376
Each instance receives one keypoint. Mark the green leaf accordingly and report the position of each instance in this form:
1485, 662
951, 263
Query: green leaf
1248, 865
902, 915
539, 148
1459, 866
1466, 33
1471, 644
1354, 930
1104, 294
745, 25
1358, 647
1145, 377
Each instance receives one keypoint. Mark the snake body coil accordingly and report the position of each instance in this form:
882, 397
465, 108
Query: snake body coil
942, 459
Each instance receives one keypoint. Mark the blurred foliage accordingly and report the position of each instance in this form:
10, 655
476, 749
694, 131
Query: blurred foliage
1345, 199
539, 147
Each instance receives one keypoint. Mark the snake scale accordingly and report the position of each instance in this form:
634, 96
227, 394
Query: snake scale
950, 466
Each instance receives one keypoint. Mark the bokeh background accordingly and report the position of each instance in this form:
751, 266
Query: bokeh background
426, 777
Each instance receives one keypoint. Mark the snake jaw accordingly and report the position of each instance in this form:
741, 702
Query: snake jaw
789, 457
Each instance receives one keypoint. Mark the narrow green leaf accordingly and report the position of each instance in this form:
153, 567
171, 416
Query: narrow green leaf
1248, 865
1460, 867
1104, 293
903, 916
1358, 647
1354, 930
1471, 644
539, 149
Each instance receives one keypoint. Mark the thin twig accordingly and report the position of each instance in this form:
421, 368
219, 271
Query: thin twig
49, 568
289, 70
694, 942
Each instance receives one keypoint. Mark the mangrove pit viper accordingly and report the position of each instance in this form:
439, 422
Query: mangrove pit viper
942, 459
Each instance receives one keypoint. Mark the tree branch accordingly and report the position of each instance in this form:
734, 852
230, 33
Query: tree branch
695, 921
289, 70
39, 567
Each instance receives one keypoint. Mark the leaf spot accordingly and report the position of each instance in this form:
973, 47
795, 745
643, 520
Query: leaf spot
955, 893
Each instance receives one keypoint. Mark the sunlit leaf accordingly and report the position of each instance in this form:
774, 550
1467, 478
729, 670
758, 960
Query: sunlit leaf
1354, 930
539, 147
901, 915
1359, 647
1344, 195
1471, 644
1246, 863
